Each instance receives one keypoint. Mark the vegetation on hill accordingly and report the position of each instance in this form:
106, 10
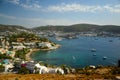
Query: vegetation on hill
26, 37
82, 28
4, 56
71, 28
21, 53
11, 28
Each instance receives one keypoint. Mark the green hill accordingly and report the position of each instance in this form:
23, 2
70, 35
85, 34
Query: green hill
12, 28
81, 28
71, 28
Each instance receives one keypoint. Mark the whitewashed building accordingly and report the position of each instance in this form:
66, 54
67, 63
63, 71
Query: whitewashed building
29, 44
45, 44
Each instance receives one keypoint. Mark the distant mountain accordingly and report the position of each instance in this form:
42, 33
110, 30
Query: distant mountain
12, 28
81, 28
71, 28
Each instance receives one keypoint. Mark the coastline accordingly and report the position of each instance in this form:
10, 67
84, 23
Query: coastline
28, 55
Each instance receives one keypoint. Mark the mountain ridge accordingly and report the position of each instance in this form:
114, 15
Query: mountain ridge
81, 28
71, 28
11, 28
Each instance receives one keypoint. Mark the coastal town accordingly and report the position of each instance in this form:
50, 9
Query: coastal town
15, 51
59, 39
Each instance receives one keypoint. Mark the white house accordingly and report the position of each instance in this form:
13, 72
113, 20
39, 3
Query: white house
29, 44
8, 67
44, 69
18, 47
45, 44
55, 70
17, 44
41, 69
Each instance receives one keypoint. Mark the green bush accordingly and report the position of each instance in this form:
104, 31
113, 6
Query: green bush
2, 68
4, 56
23, 70
21, 53
116, 70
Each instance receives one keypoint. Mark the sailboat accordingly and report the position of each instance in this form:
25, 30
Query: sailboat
104, 58
73, 57
93, 50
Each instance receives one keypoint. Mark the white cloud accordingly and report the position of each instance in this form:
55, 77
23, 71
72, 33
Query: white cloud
31, 7
27, 4
14, 1
115, 8
74, 7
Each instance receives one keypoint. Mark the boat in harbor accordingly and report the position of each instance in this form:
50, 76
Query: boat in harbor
73, 57
94, 54
58, 38
104, 58
110, 40
93, 50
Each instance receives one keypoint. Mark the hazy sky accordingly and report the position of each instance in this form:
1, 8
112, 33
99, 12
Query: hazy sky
32, 13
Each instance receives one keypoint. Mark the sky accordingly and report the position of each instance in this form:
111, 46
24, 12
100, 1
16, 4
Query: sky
34, 13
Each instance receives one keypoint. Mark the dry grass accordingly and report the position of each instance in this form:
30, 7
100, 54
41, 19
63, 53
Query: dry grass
96, 74
49, 77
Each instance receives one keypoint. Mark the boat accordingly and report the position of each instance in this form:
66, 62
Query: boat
59, 38
104, 58
94, 54
93, 50
73, 57
110, 40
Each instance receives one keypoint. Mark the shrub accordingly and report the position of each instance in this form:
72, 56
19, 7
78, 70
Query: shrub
2, 68
16, 79
116, 70
23, 70
4, 56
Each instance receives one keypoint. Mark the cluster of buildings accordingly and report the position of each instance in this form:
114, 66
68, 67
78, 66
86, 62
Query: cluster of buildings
34, 67
8, 48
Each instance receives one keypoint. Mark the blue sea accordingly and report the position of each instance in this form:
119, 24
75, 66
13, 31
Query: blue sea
77, 53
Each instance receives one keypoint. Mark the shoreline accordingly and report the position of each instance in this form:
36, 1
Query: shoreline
28, 55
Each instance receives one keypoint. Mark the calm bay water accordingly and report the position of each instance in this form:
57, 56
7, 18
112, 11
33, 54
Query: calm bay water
77, 52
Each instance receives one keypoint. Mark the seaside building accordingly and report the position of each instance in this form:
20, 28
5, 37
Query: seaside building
37, 68
45, 44
17, 45
30, 44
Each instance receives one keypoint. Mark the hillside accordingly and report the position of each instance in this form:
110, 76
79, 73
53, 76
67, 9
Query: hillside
71, 28
81, 28
12, 28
